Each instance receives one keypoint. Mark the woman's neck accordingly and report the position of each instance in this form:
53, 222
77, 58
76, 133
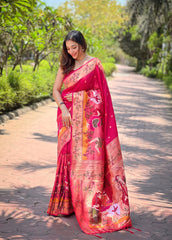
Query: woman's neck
81, 58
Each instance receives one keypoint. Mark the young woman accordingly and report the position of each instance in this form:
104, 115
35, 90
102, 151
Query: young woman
90, 178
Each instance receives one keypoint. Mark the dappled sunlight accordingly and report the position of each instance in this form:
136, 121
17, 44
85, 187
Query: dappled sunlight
24, 208
46, 138
152, 119
136, 142
30, 167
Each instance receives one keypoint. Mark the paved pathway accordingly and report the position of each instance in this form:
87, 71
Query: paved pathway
28, 162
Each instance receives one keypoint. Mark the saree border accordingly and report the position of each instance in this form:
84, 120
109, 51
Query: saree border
79, 73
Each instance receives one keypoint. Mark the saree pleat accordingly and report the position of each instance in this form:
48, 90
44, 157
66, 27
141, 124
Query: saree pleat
96, 180
61, 200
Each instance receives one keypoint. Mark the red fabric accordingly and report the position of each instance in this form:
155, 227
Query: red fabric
95, 175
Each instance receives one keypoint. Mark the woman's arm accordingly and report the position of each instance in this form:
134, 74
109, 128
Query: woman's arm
66, 118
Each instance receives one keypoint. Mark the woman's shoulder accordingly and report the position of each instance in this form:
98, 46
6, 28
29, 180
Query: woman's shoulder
98, 63
92, 58
95, 60
89, 57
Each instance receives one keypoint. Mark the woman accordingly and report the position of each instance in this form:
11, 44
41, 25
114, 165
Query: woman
90, 178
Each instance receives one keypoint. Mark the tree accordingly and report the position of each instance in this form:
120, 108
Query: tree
101, 18
11, 7
37, 33
132, 48
47, 31
12, 17
149, 15
152, 21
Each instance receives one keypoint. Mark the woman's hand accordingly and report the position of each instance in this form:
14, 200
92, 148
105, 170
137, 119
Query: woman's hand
69, 97
66, 117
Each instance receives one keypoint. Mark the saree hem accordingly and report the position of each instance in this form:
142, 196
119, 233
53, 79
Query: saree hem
108, 231
60, 214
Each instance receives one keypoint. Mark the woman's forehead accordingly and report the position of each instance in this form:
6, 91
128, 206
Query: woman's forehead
70, 43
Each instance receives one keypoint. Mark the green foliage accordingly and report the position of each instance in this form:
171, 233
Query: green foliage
123, 58
99, 21
96, 15
169, 63
168, 80
134, 30
149, 15
149, 28
149, 72
7, 95
154, 72
29, 31
9, 8
19, 89
109, 68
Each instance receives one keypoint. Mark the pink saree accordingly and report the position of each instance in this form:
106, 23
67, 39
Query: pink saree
90, 179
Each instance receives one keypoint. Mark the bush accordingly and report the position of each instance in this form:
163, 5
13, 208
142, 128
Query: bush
154, 73
149, 72
168, 80
19, 89
7, 96
109, 68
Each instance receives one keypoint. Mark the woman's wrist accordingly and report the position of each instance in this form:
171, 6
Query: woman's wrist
61, 103
62, 106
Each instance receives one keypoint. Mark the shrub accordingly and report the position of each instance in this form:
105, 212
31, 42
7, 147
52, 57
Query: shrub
168, 80
19, 89
149, 72
7, 95
109, 68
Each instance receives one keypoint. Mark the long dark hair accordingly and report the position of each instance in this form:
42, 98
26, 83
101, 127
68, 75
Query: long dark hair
66, 61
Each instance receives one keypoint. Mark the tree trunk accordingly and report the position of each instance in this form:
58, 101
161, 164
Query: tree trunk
36, 61
1, 70
21, 68
140, 64
14, 66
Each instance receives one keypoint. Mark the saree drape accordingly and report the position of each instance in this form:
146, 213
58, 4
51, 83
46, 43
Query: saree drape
90, 178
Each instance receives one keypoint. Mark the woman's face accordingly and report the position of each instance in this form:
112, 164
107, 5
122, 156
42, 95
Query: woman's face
73, 48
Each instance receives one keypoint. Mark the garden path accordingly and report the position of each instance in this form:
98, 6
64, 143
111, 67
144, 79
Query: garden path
28, 144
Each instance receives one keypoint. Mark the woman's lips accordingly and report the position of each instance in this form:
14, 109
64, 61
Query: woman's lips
74, 55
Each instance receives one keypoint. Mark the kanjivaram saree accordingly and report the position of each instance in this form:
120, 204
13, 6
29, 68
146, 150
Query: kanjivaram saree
90, 179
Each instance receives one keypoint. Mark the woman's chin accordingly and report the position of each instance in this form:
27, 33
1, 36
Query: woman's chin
74, 57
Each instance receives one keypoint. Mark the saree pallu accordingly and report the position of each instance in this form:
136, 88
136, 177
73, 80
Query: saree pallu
90, 179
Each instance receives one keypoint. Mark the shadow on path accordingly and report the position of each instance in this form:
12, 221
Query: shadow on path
143, 109
30, 221
45, 138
